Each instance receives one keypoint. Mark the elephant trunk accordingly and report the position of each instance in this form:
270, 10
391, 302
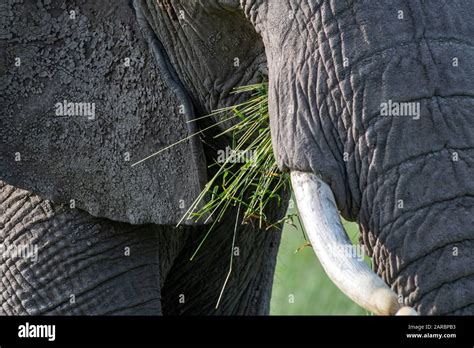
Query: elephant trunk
375, 98
418, 228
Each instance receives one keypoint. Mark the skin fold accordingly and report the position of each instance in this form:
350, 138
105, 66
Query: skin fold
95, 266
407, 180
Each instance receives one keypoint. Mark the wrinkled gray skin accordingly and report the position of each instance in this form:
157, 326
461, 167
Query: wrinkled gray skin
330, 64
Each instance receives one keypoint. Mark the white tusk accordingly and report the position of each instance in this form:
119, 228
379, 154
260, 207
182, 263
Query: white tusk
318, 211
406, 311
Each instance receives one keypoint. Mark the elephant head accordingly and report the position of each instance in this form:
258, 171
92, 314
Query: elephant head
372, 99
370, 110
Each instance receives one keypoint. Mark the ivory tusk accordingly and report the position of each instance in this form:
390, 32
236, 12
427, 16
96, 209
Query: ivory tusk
318, 211
406, 311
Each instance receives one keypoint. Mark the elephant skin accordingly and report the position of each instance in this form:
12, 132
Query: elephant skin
334, 69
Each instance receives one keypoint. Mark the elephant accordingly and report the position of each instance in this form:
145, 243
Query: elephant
370, 106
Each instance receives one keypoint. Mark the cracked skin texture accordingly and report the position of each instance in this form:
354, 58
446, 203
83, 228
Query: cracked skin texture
73, 158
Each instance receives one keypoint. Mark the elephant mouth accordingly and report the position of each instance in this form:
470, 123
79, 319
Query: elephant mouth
320, 217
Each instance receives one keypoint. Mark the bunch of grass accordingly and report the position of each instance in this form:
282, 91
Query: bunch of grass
252, 183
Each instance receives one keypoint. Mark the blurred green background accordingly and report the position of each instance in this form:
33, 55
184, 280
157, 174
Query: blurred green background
301, 287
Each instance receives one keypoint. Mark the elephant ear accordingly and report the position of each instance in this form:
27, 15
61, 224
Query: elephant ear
87, 94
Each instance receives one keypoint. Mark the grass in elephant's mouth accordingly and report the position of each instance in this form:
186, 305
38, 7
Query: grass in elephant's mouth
247, 174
